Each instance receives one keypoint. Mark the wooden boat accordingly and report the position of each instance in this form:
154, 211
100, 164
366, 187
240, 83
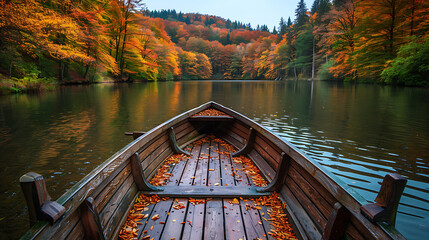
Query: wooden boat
318, 205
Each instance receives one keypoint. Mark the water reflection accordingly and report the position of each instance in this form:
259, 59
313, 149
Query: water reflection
359, 133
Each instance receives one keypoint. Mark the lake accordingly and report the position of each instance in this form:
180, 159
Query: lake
358, 132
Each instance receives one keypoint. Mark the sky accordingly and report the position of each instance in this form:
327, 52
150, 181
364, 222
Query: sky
254, 12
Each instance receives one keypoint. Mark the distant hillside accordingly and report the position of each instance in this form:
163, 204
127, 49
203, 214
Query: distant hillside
47, 42
198, 19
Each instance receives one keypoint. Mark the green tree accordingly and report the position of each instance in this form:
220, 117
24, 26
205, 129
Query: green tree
380, 35
301, 17
410, 67
282, 29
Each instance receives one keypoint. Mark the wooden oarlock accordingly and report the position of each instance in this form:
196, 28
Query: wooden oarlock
386, 203
135, 134
40, 205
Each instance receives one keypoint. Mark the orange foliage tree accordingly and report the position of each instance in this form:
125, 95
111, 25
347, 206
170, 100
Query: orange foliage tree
39, 31
339, 38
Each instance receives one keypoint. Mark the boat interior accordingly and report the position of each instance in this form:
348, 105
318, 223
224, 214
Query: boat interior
208, 175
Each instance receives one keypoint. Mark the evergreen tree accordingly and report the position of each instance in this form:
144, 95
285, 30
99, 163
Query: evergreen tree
228, 38
315, 6
264, 28
180, 17
301, 14
289, 22
323, 7
338, 3
274, 30
282, 29
187, 20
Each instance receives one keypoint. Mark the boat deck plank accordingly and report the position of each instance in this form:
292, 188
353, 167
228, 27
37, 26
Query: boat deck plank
217, 218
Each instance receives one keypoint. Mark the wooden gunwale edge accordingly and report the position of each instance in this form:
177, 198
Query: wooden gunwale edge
120, 156
313, 168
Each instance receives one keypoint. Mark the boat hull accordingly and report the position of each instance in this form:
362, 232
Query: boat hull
314, 199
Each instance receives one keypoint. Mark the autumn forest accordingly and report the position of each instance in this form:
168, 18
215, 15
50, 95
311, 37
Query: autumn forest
44, 43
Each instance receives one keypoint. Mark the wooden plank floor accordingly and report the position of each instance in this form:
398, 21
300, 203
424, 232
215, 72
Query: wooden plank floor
216, 218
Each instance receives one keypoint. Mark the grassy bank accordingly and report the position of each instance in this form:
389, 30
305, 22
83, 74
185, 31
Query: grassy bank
26, 84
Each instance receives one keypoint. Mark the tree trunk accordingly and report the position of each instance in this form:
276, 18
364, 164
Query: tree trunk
413, 8
118, 40
392, 28
121, 63
66, 68
294, 71
10, 69
86, 71
314, 59
60, 72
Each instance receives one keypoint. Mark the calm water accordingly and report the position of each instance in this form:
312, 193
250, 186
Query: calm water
360, 133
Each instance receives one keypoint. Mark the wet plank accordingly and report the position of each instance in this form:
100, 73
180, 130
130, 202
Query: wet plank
194, 221
153, 227
116, 199
145, 220
176, 217
73, 224
318, 200
214, 220
251, 217
118, 217
149, 148
299, 215
188, 176
308, 206
101, 200
202, 166
313, 182
214, 174
226, 168
263, 212
263, 166
76, 233
252, 221
175, 221
234, 228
